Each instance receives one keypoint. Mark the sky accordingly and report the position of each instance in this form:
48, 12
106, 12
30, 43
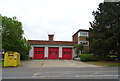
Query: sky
42, 17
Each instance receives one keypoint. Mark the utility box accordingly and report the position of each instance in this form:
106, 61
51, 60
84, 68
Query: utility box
11, 59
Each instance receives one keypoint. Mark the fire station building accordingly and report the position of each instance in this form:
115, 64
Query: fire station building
51, 49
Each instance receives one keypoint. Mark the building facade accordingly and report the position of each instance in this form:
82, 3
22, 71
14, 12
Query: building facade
81, 37
51, 49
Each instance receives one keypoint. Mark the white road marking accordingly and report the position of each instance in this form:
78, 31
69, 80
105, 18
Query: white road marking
77, 76
77, 71
35, 74
103, 75
95, 73
72, 75
39, 76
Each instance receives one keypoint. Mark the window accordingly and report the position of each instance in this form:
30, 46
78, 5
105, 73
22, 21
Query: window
53, 52
84, 42
84, 34
39, 52
66, 52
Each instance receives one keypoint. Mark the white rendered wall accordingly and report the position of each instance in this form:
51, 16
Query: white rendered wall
60, 51
46, 51
31, 52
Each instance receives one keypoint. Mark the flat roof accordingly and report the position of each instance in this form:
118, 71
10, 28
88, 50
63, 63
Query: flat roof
44, 42
81, 30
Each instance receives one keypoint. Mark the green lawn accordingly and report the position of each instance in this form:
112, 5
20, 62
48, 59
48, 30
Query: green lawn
103, 63
0, 63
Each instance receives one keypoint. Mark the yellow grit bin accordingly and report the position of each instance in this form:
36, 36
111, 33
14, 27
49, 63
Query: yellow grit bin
11, 59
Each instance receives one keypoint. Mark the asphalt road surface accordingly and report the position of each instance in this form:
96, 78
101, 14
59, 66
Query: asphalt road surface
39, 72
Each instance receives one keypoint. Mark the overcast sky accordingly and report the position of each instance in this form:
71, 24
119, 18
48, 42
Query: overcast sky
40, 17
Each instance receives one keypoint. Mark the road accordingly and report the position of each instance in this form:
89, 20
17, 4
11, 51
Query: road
43, 71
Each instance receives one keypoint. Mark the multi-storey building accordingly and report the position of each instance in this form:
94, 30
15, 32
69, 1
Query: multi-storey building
81, 37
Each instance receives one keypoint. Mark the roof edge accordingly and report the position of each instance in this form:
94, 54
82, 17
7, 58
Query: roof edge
80, 30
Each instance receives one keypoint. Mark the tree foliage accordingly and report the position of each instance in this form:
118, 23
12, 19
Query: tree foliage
12, 36
0, 32
105, 29
78, 48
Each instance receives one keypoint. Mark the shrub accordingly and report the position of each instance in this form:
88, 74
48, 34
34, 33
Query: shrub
87, 57
108, 58
23, 57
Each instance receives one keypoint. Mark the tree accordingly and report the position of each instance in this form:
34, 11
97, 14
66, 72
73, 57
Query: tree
0, 32
105, 29
78, 48
12, 39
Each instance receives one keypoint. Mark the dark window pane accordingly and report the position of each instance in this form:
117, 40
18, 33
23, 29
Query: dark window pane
39, 52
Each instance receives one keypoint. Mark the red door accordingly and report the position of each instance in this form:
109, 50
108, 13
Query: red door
53, 53
67, 53
39, 53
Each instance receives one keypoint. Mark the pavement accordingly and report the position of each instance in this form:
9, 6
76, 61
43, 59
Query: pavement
58, 69
55, 63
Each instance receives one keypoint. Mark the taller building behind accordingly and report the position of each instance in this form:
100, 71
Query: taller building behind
81, 37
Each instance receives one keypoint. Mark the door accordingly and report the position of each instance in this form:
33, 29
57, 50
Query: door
39, 53
53, 53
67, 53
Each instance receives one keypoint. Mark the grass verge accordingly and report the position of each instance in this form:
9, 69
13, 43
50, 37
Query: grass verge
104, 63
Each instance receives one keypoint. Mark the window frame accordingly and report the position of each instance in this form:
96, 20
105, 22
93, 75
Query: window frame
84, 44
84, 33
39, 52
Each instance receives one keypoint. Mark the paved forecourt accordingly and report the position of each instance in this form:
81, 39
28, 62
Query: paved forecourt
55, 63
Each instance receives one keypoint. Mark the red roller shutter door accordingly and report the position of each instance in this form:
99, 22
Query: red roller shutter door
38, 52
67, 53
53, 53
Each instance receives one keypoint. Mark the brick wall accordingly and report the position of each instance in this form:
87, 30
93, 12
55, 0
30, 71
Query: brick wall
75, 38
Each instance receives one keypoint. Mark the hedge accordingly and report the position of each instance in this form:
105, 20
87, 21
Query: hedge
23, 57
108, 58
87, 57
